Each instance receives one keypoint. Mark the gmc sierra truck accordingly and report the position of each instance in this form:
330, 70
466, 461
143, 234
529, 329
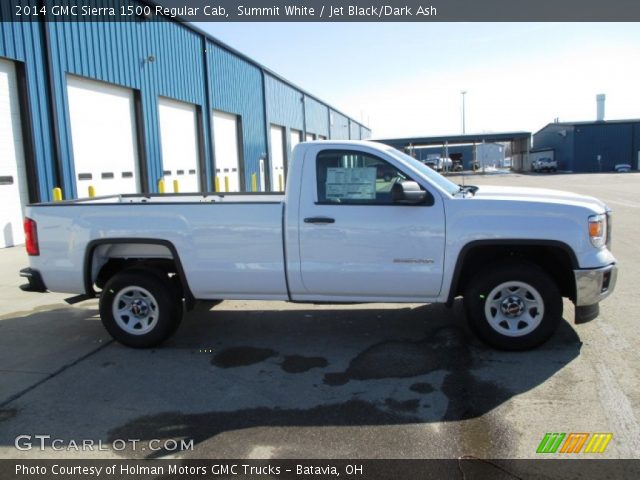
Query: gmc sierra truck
359, 222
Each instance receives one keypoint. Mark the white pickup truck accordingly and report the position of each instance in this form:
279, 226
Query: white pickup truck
345, 231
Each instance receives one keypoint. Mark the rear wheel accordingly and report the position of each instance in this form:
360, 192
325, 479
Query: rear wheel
140, 309
514, 306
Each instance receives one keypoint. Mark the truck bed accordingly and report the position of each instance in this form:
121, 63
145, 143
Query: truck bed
229, 245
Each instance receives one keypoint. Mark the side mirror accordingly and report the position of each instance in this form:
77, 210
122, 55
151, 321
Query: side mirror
408, 192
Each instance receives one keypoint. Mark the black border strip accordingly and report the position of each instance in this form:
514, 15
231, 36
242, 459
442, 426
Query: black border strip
143, 166
202, 178
26, 125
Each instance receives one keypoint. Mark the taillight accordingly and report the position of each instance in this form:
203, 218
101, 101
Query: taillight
31, 237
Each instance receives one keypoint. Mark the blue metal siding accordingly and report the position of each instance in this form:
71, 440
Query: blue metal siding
612, 142
339, 126
317, 117
354, 130
284, 104
118, 53
236, 87
560, 139
22, 41
284, 107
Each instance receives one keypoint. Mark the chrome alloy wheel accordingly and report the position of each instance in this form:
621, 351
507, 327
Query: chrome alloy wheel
514, 309
135, 310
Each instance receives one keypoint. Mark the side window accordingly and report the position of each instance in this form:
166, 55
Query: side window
355, 178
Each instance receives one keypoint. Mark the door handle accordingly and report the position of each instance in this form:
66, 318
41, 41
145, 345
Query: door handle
319, 220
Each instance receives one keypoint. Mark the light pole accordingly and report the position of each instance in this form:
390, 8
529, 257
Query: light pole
463, 93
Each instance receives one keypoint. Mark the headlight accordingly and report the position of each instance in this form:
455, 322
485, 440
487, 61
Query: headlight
598, 230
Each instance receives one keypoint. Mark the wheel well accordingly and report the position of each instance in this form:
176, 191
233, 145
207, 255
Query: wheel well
160, 266
555, 260
106, 259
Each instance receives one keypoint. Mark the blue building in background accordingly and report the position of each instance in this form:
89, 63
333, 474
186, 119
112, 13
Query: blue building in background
596, 146
119, 106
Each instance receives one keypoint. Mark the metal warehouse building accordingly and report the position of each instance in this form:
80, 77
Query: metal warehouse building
119, 106
595, 146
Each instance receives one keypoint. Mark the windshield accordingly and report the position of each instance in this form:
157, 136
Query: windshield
428, 172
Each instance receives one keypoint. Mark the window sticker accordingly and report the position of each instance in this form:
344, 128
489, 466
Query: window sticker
351, 183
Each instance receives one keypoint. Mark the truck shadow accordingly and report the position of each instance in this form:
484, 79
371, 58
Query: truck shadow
345, 367
234, 378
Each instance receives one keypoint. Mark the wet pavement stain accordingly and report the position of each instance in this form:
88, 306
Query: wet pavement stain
422, 387
471, 400
404, 406
241, 356
7, 414
445, 349
203, 426
300, 364
469, 397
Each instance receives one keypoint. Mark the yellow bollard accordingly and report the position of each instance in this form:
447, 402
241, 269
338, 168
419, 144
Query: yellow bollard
92, 191
226, 184
217, 183
280, 189
161, 186
57, 194
176, 186
254, 182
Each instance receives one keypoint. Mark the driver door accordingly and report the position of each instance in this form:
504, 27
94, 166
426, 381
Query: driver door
355, 242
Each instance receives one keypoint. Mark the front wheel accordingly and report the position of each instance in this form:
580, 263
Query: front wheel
140, 309
514, 306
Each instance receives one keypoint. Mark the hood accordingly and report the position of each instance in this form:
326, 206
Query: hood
544, 195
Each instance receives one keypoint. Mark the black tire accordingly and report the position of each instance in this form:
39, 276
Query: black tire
524, 311
147, 292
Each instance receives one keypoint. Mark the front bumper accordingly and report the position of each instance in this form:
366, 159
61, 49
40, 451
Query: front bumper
594, 285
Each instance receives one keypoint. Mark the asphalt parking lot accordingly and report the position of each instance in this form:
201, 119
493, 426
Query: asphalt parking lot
276, 380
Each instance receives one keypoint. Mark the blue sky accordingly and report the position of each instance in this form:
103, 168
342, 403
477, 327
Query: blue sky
405, 79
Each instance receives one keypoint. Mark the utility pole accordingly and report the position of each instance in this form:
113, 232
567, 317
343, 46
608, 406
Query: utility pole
463, 93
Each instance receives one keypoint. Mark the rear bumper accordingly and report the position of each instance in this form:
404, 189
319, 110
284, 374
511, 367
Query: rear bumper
594, 285
36, 284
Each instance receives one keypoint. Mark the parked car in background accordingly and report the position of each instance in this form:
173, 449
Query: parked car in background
545, 165
439, 164
622, 168
431, 163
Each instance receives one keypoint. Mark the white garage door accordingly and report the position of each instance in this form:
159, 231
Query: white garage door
13, 178
295, 137
227, 150
103, 133
277, 158
178, 134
